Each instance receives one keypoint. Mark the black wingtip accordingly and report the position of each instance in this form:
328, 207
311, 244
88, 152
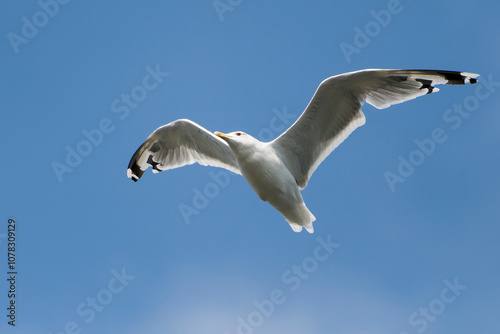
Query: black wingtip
134, 172
458, 78
452, 77
426, 84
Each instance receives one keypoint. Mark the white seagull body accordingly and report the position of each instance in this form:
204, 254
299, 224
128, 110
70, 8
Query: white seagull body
279, 169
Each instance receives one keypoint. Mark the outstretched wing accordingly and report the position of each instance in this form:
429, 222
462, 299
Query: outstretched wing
335, 111
181, 143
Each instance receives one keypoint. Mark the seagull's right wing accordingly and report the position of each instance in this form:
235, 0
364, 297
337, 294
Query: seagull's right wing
335, 111
181, 143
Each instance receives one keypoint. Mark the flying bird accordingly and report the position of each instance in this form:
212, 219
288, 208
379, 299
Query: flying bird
279, 169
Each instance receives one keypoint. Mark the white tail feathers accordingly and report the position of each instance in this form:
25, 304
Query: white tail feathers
303, 219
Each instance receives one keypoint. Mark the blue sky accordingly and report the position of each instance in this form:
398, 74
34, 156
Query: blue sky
97, 253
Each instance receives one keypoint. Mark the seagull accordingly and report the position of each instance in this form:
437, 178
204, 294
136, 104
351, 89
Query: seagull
279, 169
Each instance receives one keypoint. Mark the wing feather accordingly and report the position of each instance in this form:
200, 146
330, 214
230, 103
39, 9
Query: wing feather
334, 112
178, 144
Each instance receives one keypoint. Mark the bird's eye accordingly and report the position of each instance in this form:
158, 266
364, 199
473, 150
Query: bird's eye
238, 133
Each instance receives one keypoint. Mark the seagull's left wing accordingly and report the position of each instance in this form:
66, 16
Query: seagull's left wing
181, 143
335, 111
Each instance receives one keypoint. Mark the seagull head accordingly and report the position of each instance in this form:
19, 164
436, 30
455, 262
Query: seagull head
237, 140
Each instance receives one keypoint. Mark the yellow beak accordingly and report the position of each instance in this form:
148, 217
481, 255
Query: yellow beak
220, 134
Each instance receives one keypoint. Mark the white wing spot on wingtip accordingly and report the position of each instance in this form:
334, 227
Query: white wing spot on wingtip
470, 75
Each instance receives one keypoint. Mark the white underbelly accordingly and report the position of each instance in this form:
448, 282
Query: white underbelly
273, 182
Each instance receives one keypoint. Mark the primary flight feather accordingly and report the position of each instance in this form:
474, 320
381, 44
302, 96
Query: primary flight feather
279, 169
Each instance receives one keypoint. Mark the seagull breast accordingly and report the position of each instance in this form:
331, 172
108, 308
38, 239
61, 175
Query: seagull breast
271, 180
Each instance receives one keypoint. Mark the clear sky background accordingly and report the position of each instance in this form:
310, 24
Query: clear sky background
397, 250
